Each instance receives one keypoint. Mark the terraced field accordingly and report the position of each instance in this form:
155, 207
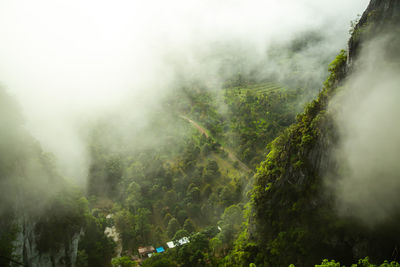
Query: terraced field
258, 87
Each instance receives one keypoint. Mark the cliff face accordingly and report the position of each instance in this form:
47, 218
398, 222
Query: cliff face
381, 16
26, 248
295, 220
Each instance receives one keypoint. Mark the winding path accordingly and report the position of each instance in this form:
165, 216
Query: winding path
195, 124
229, 152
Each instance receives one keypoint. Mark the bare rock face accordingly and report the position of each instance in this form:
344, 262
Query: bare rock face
380, 16
27, 251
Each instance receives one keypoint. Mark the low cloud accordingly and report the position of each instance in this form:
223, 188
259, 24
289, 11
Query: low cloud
367, 116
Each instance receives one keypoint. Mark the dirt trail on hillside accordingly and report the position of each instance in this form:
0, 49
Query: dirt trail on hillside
231, 156
201, 129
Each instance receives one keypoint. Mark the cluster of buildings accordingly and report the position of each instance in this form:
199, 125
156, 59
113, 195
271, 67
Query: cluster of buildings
144, 252
147, 252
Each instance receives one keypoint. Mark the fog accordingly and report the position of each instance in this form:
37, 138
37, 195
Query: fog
69, 62
367, 116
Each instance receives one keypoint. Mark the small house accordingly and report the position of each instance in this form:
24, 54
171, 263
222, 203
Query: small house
145, 252
182, 241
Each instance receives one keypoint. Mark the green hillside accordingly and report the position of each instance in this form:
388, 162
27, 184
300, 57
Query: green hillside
198, 171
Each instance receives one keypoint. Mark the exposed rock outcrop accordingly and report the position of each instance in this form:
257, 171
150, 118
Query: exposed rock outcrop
379, 17
26, 248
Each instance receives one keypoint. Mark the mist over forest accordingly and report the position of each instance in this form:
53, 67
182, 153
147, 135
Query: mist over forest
199, 133
69, 62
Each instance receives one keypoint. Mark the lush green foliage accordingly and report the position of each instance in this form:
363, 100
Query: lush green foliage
187, 181
291, 219
245, 118
95, 249
361, 263
283, 196
123, 262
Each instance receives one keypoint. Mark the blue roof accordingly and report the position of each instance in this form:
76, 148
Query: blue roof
160, 249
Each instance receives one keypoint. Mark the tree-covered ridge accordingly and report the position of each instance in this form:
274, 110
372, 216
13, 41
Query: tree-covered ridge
284, 191
292, 219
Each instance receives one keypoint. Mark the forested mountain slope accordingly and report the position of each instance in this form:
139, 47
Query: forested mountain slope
180, 179
150, 185
294, 217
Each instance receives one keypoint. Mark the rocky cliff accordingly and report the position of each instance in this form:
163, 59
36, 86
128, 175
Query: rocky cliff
26, 248
294, 214
381, 16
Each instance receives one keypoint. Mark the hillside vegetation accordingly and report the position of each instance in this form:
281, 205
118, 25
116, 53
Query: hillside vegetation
194, 180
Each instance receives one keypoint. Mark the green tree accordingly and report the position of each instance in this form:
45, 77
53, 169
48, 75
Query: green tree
180, 234
194, 194
82, 259
125, 223
230, 223
199, 241
142, 225
133, 196
170, 198
215, 245
123, 262
327, 263
158, 261
227, 195
95, 247
189, 225
211, 171
173, 226
206, 191
167, 218
182, 216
